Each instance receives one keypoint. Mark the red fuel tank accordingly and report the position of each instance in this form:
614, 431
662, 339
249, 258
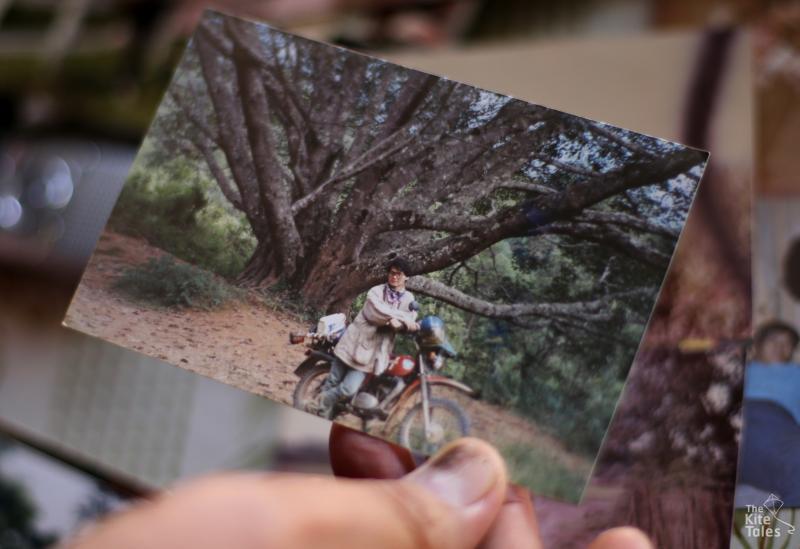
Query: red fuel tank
402, 365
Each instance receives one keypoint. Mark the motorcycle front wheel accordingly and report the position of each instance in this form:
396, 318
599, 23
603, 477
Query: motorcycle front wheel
306, 393
448, 421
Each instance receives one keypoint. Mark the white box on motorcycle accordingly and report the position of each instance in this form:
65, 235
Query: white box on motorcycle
332, 326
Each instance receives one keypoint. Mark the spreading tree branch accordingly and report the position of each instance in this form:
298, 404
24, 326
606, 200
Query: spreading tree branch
611, 134
621, 219
635, 173
612, 237
596, 310
194, 119
359, 165
537, 188
223, 182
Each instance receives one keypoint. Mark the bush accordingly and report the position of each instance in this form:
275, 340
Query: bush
168, 283
173, 212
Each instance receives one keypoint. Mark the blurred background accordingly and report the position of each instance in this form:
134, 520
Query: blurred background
79, 83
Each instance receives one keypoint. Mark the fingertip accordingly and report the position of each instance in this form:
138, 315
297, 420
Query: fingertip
515, 526
470, 454
470, 477
354, 454
518, 494
520, 500
623, 537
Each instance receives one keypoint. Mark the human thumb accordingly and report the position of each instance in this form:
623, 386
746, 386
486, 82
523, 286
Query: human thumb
449, 503
469, 477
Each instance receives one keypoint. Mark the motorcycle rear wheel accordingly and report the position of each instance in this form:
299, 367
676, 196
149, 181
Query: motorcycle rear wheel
307, 391
448, 422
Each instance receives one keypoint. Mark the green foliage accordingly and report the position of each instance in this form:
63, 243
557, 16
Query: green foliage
168, 283
565, 377
174, 209
535, 466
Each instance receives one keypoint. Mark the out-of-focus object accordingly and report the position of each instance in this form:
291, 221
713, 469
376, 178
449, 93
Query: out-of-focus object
778, 86
78, 67
132, 414
791, 268
98, 67
54, 199
48, 495
775, 279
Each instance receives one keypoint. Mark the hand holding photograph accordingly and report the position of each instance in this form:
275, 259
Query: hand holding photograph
470, 264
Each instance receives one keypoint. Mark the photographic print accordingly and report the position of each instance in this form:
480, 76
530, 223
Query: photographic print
396, 251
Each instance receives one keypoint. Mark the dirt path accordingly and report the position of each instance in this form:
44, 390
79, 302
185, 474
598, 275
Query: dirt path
244, 344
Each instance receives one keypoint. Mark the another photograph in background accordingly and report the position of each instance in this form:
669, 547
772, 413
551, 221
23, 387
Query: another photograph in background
768, 484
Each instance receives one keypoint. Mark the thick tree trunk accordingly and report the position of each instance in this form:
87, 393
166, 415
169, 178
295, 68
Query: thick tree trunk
275, 196
323, 289
229, 123
259, 271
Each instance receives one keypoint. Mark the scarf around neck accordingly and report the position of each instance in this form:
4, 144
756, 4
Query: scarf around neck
391, 296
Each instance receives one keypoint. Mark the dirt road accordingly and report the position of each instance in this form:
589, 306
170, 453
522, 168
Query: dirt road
243, 344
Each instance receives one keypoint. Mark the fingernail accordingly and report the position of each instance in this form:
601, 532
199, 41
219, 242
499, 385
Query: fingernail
462, 473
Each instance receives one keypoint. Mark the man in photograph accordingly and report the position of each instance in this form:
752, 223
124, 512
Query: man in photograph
367, 343
770, 453
774, 343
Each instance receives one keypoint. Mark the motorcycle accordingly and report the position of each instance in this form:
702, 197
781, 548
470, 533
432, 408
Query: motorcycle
429, 423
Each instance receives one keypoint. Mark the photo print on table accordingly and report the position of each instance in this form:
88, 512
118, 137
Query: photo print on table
468, 263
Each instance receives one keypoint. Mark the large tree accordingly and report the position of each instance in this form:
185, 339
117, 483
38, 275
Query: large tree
339, 161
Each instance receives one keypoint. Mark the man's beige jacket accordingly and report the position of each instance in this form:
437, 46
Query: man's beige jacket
368, 341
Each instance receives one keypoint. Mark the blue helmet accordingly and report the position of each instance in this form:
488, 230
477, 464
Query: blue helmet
431, 336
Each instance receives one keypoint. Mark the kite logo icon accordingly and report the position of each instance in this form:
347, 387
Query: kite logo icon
773, 505
764, 521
